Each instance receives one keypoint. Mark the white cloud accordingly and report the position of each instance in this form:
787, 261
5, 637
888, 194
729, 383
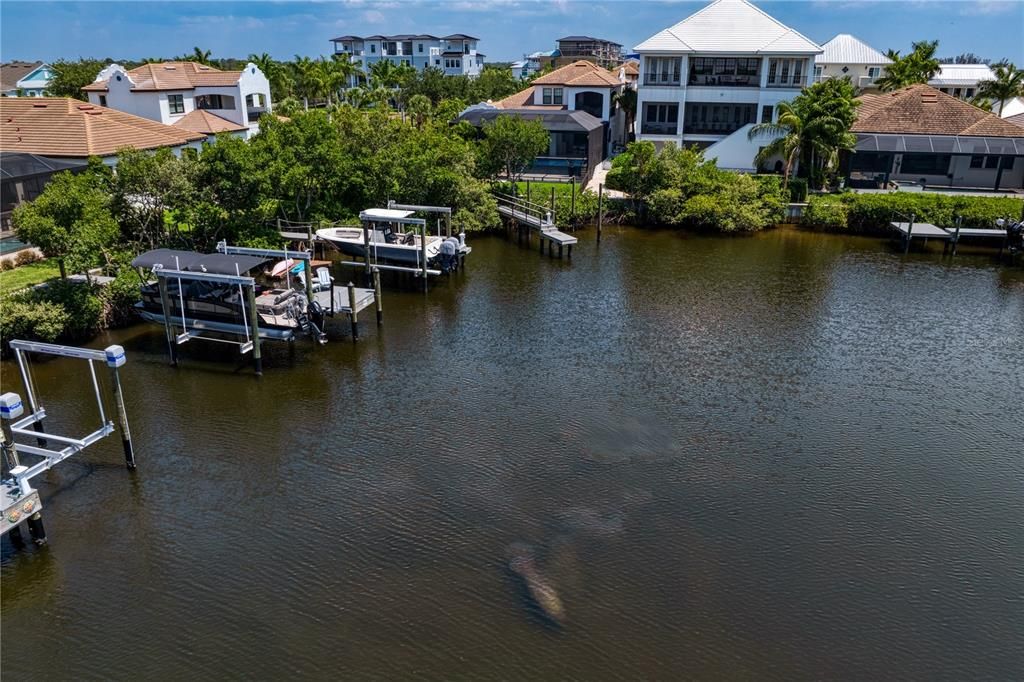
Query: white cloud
373, 16
986, 7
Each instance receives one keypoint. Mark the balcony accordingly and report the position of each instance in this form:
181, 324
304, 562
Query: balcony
712, 127
867, 81
668, 128
726, 80
253, 115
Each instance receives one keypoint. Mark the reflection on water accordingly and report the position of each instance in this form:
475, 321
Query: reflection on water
792, 456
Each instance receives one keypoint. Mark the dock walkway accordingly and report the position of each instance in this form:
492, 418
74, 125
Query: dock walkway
951, 237
529, 217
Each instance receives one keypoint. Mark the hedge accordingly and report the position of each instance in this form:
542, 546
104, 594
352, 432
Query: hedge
872, 213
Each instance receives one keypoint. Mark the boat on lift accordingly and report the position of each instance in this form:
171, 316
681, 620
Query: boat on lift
221, 307
384, 231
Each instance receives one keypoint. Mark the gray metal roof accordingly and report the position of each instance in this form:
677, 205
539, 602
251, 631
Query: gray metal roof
558, 120
846, 49
20, 165
940, 144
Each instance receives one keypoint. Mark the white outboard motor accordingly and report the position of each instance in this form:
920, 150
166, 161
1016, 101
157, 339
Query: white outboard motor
449, 254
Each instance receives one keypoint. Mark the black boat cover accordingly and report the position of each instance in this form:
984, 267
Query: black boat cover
169, 259
216, 263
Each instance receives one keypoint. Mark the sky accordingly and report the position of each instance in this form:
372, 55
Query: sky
507, 29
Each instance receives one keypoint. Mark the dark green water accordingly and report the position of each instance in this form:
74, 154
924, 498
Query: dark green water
794, 456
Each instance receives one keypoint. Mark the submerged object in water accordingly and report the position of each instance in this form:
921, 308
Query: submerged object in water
522, 562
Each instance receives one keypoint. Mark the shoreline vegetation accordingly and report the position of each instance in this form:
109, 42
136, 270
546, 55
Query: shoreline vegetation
328, 164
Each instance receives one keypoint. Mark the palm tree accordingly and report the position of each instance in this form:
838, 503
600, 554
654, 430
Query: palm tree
627, 100
819, 139
1008, 83
309, 81
201, 56
419, 107
919, 66
274, 72
345, 69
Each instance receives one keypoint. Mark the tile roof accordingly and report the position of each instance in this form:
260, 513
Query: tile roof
846, 49
923, 110
12, 72
962, 74
631, 66
524, 100
202, 121
579, 74
734, 26
1017, 120
173, 76
65, 127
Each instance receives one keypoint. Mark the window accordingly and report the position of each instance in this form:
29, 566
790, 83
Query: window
926, 164
767, 113
557, 95
214, 101
785, 72
969, 92
977, 162
660, 118
546, 95
103, 100
420, 46
991, 161
956, 92
874, 71
176, 103
817, 72
663, 70
373, 48
437, 62
772, 68
798, 67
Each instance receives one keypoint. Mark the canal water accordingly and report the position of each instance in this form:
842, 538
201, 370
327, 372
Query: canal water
791, 456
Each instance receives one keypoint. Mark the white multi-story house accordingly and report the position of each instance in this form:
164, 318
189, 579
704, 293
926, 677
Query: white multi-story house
454, 54
961, 80
706, 80
188, 95
532, 63
847, 57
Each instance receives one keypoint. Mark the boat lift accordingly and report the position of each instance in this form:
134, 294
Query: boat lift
20, 501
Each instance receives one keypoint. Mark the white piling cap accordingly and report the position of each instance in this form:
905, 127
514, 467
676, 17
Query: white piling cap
10, 406
115, 356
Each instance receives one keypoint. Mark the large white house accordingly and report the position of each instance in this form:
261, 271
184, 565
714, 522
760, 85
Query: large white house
706, 80
847, 57
455, 54
188, 95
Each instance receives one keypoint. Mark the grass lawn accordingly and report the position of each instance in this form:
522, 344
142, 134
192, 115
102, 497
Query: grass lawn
27, 275
540, 192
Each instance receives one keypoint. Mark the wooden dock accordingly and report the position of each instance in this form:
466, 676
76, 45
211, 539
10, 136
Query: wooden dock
528, 217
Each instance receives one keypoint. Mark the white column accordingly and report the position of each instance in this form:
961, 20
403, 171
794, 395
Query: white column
764, 72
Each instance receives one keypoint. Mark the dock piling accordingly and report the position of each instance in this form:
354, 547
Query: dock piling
377, 298
165, 304
254, 321
600, 211
353, 314
116, 358
423, 250
910, 233
956, 234
36, 529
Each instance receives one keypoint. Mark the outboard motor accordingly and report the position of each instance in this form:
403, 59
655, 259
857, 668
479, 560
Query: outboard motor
312, 321
448, 255
1015, 236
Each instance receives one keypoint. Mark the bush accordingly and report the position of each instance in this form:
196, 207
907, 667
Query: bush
79, 301
872, 213
27, 256
118, 299
826, 213
798, 190
24, 318
7, 264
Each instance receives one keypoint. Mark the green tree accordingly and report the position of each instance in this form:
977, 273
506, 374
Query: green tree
419, 109
1008, 83
919, 66
70, 221
627, 101
147, 186
200, 56
510, 145
69, 77
638, 171
309, 79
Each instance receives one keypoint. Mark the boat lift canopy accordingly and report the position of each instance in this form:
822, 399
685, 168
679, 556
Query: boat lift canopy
389, 215
190, 261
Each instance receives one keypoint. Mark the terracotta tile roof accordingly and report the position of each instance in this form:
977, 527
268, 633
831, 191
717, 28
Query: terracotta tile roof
631, 66
173, 76
923, 110
65, 127
12, 72
524, 100
579, 74
202, 121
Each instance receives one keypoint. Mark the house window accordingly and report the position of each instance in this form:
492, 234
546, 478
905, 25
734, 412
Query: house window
465, 48
557, 95
977, 162
772, 70
798, 67
767, 113
956, 92
214, 102
437, 62
420, 46
546, 95
660, 119
663, 70
373, 48
103, 100
991, 162
874, 71
176, 103
969, 92
817, 72
926, 164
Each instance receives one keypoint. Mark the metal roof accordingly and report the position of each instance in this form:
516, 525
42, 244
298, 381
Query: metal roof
730, 26
556, 120
20, 165
846, 49
940, 144
962, 74
590, 38
459, 36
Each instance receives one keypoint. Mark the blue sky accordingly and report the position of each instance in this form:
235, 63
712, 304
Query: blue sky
507, 28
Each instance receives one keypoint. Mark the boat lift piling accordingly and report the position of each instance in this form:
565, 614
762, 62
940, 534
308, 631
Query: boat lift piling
19, 499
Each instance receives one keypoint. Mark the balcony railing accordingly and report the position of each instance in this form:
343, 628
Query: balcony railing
658, 128
711, 127
726, 80
253, 115
788, 83
661, 79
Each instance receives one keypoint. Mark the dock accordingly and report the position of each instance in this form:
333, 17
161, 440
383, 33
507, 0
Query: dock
910, 230
528, 217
